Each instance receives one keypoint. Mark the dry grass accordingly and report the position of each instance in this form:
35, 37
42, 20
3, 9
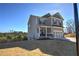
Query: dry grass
17, 51
38, 48
73, 35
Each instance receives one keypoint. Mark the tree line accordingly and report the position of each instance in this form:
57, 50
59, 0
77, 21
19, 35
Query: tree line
13, 36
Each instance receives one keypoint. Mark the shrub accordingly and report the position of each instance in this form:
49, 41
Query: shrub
3, 39
25, 38
14, 36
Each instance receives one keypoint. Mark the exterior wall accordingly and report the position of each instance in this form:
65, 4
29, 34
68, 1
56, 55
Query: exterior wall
34, 27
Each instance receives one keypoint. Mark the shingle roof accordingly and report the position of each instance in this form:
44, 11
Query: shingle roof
47, 15
57, 15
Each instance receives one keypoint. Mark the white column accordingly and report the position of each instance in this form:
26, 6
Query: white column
46, 31
51, 25
51, 21
39, 31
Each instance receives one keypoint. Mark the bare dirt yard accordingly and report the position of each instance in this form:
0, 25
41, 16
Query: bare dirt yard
38, 48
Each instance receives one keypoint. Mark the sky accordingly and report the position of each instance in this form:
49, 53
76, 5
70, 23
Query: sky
15, 16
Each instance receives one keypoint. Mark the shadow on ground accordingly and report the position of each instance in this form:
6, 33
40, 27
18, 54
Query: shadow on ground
50, 47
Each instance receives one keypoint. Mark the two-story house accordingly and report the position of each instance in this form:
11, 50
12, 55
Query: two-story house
47, 26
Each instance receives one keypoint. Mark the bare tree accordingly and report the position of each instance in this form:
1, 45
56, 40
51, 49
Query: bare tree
70, 26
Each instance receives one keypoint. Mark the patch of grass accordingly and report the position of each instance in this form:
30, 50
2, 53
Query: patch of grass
38, 48
70, 35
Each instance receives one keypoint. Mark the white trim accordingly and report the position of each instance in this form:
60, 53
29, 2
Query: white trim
39, 31
46, 31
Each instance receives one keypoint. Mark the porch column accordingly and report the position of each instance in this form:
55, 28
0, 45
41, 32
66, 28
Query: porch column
46, 31
39, 31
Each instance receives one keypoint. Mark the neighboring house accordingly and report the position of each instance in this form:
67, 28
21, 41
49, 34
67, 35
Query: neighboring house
47, 26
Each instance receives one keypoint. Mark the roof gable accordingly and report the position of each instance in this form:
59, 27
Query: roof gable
57, 15
47, 15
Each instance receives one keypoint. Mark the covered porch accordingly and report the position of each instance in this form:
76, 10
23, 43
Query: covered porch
45, 32
50, 32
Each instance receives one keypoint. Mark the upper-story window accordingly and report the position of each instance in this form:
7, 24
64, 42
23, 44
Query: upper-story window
60, 22
43, 21
57, 22
40, 20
